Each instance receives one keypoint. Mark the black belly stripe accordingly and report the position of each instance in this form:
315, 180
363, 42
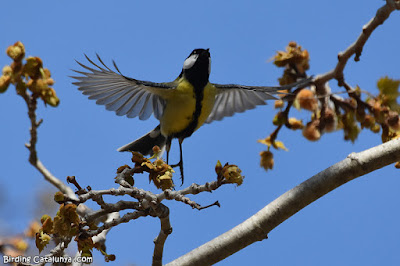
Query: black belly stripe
188, 131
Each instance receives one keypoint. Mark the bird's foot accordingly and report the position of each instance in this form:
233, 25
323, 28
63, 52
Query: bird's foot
180, 164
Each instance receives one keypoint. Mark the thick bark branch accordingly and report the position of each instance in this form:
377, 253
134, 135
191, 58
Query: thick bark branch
257, 227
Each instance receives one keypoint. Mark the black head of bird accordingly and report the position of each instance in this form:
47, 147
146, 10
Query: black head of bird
181, 106
197, 67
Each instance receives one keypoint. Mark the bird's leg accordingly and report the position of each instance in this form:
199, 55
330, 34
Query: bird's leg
168, 147
181, 159
180, 164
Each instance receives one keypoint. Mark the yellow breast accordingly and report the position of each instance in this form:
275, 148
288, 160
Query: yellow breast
181, 105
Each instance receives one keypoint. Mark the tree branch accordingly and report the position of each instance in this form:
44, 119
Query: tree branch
257, 227
83, 210
165, 231
356, 48
31, 102
58, 250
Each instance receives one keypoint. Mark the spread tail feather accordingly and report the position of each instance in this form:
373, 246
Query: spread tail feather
145, 144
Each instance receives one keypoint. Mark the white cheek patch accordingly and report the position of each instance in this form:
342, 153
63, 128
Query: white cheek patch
189, 62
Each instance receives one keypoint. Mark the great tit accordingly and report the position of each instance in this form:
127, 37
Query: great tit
181, 106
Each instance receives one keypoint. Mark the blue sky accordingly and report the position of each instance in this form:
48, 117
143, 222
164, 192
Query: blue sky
356, 224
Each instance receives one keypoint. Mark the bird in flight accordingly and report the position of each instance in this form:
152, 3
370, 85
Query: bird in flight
181, 106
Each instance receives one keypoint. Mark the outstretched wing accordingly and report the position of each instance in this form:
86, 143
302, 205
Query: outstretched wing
125, 96
233, 98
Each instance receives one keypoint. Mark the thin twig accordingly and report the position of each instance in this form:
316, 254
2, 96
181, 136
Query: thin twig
192, 189
356, 48
31, 102
352, 94
124, 219
116, 207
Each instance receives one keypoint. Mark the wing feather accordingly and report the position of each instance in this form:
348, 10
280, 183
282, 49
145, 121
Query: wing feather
107, 97
233, 98
118, 102
127, 105
147, 109
137, 106
124, 95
